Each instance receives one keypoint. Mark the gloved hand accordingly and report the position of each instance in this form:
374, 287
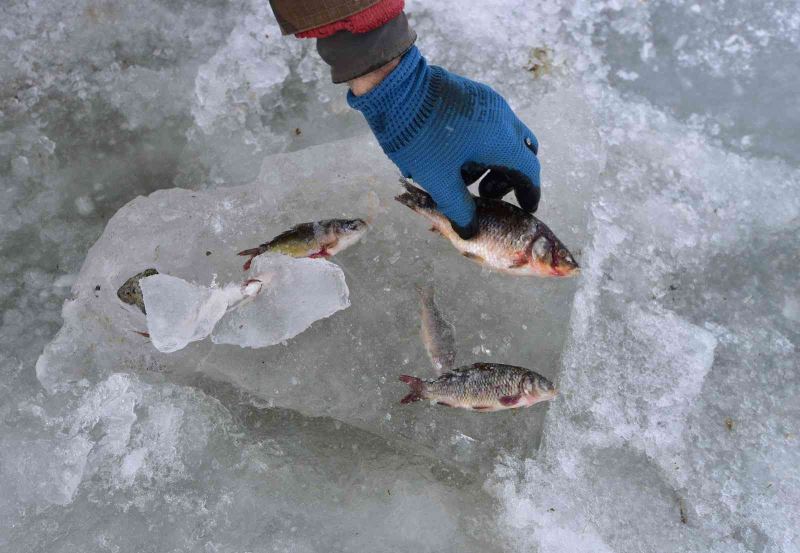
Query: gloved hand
444, 131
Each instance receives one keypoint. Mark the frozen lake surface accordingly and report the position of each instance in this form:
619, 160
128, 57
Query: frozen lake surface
170, 134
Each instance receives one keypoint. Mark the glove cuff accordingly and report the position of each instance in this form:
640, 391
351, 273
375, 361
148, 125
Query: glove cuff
399, 106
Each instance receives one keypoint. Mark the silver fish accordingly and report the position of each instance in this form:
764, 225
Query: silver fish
509, 239
437, 333
482, 387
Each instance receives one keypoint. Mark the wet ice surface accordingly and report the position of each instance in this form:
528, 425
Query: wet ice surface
675, 352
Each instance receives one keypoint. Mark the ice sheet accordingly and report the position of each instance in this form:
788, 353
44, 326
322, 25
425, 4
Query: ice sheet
669, 161
346, 366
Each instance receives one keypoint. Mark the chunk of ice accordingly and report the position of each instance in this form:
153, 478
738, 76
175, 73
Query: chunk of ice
299, 292
179, 312
285, 297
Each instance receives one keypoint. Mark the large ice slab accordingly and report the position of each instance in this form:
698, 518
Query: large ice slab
680, 384
345, 366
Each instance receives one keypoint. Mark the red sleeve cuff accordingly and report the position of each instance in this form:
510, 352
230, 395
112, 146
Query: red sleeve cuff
364, 21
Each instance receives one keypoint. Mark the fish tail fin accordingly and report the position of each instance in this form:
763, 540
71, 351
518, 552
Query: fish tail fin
415, 198
417, 388
252, 252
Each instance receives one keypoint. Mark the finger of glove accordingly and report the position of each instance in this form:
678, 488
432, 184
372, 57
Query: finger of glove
516, 168
495, 185
528, 138
527, 188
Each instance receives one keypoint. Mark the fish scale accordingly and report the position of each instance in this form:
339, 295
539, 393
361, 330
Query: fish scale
482, 382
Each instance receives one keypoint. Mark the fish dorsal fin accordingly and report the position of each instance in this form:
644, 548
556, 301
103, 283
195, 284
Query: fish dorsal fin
464, 369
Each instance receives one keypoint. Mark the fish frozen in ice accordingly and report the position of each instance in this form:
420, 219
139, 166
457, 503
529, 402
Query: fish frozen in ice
131, 292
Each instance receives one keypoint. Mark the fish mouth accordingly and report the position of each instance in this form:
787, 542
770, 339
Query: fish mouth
545, 269
565, 272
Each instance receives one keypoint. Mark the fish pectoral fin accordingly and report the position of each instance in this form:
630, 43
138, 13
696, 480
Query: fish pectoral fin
508, 401
520, 259
321, 254
472, 256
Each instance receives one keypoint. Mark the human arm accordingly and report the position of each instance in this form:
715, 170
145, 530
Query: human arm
440, 129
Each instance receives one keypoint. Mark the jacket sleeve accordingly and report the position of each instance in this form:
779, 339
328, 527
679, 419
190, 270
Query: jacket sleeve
354, 37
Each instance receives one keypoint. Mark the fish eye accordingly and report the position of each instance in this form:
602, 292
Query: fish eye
562, 253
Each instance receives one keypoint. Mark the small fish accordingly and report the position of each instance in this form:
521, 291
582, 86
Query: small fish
437, 333
131, 292
509, 239
317, 239
482, 387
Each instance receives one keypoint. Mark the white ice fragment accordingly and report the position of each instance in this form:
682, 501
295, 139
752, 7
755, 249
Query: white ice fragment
65, 281
646, 51
20, 166
84, 205
132, 463
627, 75
285, 297
179, 312
300, 292
791, 308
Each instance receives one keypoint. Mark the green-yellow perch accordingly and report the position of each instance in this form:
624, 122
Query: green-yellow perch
509, 239
482, 387
318, 239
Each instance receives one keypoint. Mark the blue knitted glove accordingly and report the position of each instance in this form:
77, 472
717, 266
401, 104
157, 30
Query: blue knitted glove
443, 130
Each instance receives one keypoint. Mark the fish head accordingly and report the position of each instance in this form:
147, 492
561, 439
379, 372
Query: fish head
350, 231
549, 257
539, 388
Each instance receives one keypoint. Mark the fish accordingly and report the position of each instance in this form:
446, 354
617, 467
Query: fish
437, 333
320, 239
509, 239
483, 387
131, 293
